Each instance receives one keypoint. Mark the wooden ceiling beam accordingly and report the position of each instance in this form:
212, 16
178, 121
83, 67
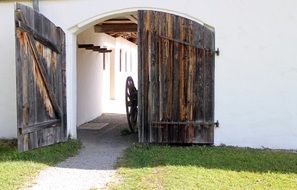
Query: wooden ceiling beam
132, 18
118, 21
94, 48
110, 28
99, 49
85, 46
103, 51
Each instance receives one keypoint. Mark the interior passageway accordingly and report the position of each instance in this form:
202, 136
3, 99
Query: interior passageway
106, 56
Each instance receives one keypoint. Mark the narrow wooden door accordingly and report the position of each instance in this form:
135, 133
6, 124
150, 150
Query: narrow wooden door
176, 79
40, 72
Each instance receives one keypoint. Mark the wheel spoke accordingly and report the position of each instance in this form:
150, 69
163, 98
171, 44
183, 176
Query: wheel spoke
131, 103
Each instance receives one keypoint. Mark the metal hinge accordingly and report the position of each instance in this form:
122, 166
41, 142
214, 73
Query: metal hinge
217, 52
187, 123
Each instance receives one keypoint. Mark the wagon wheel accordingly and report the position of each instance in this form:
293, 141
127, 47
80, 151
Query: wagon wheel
131, 104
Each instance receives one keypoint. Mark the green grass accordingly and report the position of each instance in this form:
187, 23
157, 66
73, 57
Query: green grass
196, 167
18, 169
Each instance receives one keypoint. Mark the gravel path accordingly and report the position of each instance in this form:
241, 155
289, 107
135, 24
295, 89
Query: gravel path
93, 167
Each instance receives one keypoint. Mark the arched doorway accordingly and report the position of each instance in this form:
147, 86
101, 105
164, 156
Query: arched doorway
176, 80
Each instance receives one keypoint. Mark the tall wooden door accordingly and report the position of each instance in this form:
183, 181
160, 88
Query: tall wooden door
40, 72
176, 79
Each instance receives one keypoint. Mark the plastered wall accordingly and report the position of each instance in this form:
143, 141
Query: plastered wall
8, 128
256, 72
102, 90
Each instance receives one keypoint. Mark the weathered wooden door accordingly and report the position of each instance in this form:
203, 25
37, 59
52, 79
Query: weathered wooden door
176, 79
40, 71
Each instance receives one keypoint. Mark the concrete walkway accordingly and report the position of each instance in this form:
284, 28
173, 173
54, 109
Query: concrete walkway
93, 167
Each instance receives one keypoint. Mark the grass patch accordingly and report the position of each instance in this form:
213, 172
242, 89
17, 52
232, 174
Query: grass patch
196, 167
17, 169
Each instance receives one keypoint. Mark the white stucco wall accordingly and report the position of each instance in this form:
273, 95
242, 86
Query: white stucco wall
256, 73
94, 95
8, 128
89, 79
128, 49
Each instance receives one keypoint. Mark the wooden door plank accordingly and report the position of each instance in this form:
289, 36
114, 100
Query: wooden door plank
37, 36
42, 125
176, 79
140, 117
40, 80
42, 71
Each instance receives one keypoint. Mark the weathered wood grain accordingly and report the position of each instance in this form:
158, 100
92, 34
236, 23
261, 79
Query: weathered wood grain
110, 28
40, 65
176, 79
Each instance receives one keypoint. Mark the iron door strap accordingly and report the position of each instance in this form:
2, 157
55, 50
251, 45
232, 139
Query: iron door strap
187, 123
217, 52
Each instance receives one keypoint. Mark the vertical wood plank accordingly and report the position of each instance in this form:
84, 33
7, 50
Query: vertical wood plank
209, 90
140, 34
34, 81
176, 85
176, 79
